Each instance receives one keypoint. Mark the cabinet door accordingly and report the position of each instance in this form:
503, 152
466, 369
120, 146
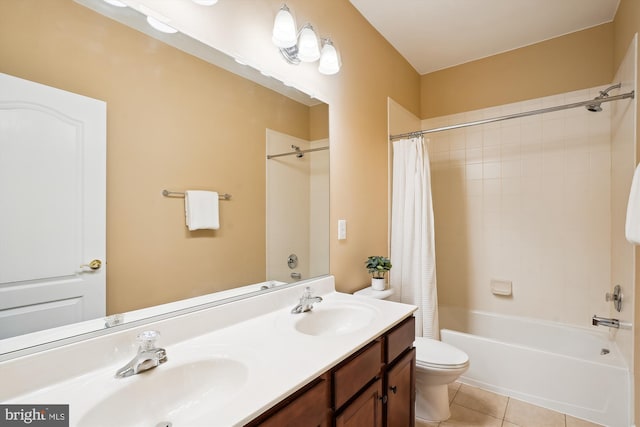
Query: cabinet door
400, 391
365, 410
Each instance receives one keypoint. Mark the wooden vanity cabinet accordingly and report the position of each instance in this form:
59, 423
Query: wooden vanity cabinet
374, 387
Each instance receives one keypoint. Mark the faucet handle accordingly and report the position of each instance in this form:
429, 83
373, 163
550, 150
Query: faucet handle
147, 339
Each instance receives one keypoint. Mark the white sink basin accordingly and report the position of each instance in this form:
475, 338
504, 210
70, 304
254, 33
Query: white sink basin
183, 394
335, 320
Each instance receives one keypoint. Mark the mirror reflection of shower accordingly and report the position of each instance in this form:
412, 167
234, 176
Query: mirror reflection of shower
299, 152
297, 172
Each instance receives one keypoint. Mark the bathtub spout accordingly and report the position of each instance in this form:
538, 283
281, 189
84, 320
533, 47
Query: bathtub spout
605, 321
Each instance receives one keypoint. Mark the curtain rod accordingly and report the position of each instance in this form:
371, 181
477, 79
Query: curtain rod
514, 116
273, 156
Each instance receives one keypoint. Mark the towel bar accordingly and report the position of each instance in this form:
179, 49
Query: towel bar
168, 193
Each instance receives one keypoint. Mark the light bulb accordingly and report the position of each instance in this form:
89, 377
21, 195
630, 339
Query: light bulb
329, 59
309, 50
284, 29
160, 26
116, 3
205, 2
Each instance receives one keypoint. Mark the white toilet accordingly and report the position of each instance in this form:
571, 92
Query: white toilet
437, 365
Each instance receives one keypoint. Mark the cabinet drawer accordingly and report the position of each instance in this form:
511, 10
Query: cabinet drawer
356, 373
400, 338
308, 408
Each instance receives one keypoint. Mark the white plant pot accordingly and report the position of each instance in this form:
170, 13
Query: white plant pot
378, 284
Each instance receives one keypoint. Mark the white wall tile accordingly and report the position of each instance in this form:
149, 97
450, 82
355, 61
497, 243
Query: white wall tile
491, 170
473, 138
491, 153
491, 135
474, 171
535, 210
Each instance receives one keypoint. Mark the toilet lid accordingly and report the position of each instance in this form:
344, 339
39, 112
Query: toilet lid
437, 353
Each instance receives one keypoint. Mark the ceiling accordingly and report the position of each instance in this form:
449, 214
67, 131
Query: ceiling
437, 34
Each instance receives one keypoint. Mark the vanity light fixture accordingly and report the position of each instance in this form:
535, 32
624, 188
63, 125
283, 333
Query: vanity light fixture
303, 46
329, 58
158, 23
157, 20
308, 48
160, 26
285, 34
116, 3
205, 2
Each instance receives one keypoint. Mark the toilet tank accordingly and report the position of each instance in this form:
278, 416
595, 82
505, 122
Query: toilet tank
372, 293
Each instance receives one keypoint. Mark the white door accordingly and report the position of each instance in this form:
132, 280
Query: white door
52, 207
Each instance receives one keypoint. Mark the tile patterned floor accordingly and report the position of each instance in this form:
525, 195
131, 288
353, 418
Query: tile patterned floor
474, 407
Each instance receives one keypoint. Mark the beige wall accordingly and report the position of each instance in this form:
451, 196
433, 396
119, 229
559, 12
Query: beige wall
625, 26
572, 62
173, 122
319, 122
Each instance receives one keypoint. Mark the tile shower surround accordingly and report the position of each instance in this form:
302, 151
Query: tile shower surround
526, 200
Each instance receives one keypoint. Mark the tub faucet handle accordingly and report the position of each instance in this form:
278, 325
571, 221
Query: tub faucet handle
615, 297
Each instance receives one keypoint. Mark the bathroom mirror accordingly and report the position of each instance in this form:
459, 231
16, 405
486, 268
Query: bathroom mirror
176, 121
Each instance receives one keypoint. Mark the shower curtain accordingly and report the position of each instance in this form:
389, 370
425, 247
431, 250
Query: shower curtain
413, 275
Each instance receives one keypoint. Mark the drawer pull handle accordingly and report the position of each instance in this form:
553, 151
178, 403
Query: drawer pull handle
394, 389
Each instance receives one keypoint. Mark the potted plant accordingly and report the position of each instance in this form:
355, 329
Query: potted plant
378, 267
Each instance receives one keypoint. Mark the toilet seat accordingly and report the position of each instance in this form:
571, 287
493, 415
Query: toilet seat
436, 354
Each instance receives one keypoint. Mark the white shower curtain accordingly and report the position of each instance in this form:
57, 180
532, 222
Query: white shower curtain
413, 275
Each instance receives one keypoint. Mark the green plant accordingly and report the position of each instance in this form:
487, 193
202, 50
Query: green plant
378, 266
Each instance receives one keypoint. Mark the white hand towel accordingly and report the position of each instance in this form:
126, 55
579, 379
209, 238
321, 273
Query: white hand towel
201, 210
632, 226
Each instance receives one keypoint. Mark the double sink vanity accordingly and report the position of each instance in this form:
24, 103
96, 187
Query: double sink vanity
248, 362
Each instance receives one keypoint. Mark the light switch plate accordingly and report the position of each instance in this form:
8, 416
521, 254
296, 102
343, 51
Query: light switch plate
342, 229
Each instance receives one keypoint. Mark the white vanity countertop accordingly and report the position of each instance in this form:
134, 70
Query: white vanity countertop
269, 358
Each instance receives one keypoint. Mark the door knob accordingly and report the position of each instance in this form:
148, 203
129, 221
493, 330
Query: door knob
94, 264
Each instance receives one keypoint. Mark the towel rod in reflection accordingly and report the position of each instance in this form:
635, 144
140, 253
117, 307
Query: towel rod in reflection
168, 193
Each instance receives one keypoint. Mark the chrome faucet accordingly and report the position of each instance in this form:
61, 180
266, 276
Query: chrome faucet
306, 302
605, 321
148, 357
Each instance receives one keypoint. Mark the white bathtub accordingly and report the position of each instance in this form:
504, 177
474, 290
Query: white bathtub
548, 364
